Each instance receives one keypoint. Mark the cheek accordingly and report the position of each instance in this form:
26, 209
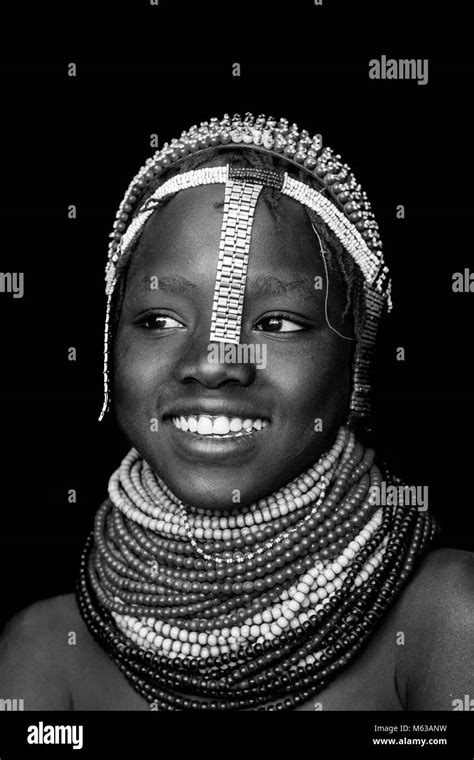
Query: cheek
137, 374
318, 377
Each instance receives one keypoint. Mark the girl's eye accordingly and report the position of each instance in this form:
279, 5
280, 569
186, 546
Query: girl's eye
278, 323
159, 322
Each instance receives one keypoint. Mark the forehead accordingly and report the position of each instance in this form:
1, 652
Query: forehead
185, 235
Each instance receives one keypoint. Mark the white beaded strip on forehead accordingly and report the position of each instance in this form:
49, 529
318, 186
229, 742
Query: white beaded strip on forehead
344, 230
349, 236
194, 178
239, 208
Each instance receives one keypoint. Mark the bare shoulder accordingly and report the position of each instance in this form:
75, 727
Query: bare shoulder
436, 617
36, 654
443, 587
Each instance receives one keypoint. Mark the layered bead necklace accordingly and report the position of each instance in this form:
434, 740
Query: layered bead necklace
258, 608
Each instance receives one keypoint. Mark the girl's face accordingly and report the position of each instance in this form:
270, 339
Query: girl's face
162, 353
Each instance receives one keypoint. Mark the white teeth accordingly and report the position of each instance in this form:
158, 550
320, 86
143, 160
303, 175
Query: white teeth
221, 425
218, 426
204, 425
192, 424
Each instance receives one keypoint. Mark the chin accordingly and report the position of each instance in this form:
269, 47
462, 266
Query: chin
204, 493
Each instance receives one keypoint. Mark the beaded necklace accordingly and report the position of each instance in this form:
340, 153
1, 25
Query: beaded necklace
258, 608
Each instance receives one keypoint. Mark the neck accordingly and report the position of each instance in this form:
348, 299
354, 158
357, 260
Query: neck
286, 581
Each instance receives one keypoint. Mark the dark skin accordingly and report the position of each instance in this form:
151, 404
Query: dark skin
158, 371
307, 376
431, 669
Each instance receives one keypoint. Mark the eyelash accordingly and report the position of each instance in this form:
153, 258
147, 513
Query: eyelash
146, 318
285, 317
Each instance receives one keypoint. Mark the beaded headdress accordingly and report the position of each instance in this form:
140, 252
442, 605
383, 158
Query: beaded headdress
338, 201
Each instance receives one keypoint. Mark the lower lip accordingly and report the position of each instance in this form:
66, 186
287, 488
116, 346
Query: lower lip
209, 447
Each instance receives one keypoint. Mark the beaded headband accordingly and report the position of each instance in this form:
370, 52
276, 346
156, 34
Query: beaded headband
340, 203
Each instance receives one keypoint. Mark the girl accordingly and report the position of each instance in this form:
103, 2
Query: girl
245, 558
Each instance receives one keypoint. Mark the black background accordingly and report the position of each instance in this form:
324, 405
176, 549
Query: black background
80, 140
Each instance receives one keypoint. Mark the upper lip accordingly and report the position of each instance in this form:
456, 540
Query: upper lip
214, 408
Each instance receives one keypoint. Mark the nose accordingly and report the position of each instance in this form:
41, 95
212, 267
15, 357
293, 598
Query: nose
213, 364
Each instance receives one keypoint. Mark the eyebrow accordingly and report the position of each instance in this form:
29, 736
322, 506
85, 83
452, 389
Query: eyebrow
262, 285
174, 284
269, 285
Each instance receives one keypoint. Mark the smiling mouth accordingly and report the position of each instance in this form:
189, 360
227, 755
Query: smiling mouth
218, 426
